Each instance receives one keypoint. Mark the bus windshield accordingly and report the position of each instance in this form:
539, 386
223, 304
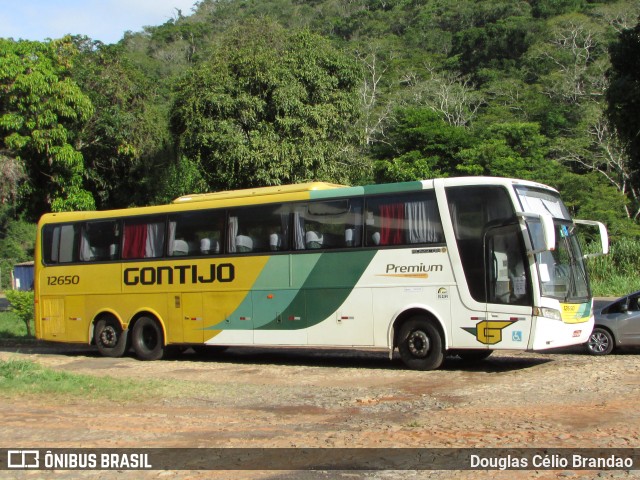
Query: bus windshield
561, 272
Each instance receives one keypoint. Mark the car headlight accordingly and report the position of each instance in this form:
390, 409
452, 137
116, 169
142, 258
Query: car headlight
551, 313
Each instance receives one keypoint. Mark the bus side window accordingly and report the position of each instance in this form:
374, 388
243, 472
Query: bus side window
259, 229
61, 243
331, 224
403, 220
100, 241
195, 233
143, 238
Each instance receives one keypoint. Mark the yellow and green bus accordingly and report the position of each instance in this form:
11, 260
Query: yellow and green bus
445, 266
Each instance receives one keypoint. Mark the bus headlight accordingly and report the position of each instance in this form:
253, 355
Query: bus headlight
551, 313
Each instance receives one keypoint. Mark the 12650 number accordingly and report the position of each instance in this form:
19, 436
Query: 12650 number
64, 280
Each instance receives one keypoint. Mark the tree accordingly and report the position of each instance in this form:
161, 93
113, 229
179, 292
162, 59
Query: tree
623, 94
269, 107
126, 140
450, 94
11, 176
22, 305
41, 110
17, 240
418, 145
516, 150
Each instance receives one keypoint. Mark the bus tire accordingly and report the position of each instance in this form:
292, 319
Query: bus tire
110, 338
420, 344
148, 339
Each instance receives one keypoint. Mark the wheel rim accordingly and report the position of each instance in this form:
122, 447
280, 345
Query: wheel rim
598, 342
418, 343
109, 337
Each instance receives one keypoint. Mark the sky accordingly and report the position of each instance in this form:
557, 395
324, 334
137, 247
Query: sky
104, 20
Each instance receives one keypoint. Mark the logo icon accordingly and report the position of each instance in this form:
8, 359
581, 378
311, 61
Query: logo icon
488, 332
23, 459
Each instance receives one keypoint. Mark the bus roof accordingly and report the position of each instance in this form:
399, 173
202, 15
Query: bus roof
279, 193
257, 192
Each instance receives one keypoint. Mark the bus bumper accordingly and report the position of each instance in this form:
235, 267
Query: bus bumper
550, 333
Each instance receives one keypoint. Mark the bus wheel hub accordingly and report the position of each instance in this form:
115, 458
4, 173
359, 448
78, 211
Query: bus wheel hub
419, 344
109, 337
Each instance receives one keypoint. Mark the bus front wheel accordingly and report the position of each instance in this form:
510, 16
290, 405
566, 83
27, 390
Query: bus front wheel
110, 338
148, 339
420, 345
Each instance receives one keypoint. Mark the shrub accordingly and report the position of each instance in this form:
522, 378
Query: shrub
22, 306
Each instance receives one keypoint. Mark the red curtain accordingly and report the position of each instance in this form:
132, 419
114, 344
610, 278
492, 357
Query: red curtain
135, 241
392, 224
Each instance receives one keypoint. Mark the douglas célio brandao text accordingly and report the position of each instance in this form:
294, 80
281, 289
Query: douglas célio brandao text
550, 461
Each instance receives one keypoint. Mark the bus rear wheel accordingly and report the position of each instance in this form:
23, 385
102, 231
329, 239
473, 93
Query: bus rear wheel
420, 345
148, 339
110, 338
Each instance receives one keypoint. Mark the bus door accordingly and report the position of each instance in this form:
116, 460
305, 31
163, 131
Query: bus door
508, 289
64, 317
52, 317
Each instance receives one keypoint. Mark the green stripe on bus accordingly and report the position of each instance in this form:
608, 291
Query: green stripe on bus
337, 193
393, 188
326, 288
320, 283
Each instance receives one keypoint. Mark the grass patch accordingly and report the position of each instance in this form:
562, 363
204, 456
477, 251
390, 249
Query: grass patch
23, 377
614, 286
11, 327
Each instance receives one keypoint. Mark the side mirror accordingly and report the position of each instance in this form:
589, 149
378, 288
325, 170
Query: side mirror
604, 236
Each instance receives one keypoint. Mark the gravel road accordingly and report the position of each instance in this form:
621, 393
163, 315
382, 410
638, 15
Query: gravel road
258, 397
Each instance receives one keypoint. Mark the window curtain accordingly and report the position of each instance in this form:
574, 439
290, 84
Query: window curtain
55, 244
284, 230
542, 206
423, 222
233, 233
154, 243
135, 240
85, 246
172, 237
356, 227
392, 224
298, 231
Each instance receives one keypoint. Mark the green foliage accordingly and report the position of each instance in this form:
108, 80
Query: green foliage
23, 377
616, 274
126, 139
343, 91
623, 93
269, 107
590, 197
516, 150
17, 240
12, 328
419, 144
22, 305
179, 179
40, 114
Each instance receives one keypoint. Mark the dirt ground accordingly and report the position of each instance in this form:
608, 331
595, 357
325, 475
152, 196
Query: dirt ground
258, 397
